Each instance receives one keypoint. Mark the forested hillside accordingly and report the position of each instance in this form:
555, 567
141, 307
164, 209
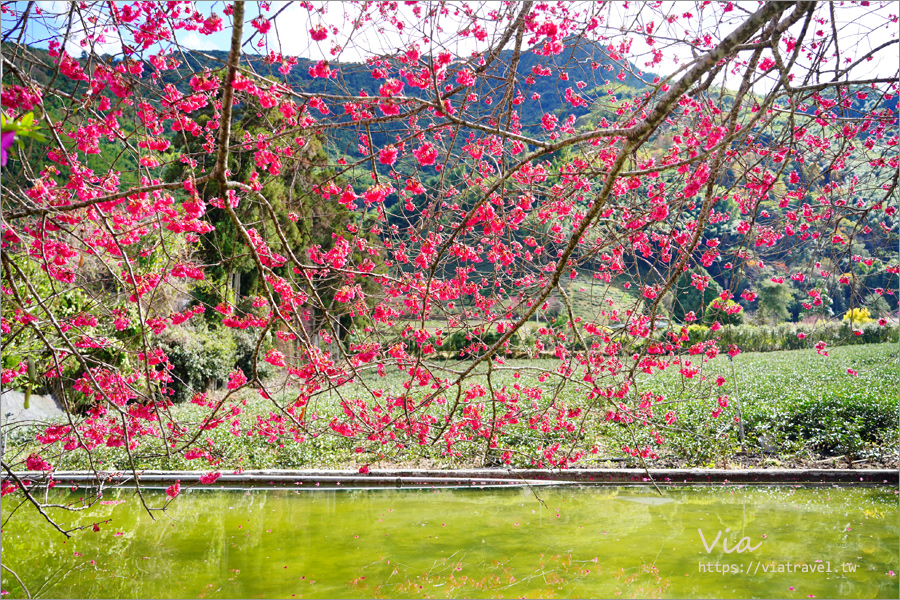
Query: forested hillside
782, 280
351, 251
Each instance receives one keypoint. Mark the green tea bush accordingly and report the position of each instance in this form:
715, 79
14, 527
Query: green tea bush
796, 401
837, 425
835, 405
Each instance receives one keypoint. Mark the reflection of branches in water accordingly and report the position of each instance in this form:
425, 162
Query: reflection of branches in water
208, 588
59, 575
539, 499
14, 574
559, 575
39, 568
29, 497
26, 486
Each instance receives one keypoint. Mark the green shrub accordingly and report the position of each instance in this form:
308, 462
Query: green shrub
199, 357
245, 347
466, 345
698, 333
727, 312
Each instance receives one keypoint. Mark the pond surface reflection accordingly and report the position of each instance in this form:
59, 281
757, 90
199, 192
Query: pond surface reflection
442, 543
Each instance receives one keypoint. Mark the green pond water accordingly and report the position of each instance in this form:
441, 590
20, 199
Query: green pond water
601, 542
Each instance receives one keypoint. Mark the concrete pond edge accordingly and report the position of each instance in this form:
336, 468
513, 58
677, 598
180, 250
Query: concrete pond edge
465, 478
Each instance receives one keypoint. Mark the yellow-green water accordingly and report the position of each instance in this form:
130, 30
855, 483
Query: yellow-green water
587, 542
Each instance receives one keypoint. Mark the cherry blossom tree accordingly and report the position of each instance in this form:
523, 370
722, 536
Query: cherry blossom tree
435, 169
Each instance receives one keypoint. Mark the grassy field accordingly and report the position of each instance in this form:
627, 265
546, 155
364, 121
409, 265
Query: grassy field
794, 401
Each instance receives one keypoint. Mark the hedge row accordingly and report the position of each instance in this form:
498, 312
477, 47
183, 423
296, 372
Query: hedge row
749, 338
794, 336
